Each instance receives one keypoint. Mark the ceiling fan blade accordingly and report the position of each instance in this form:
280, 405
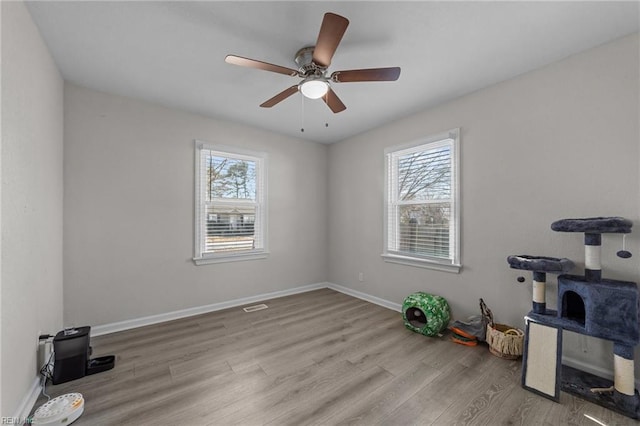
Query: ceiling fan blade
371, 74
333, 102
331, 32
280, 97
252, 63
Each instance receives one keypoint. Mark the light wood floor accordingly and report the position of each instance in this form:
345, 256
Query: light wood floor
315, 358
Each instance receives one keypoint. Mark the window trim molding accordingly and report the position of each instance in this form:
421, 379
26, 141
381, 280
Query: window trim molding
421, 262
235, 257
447, 265
262, 164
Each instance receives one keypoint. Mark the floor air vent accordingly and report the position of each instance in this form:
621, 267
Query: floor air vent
255, 308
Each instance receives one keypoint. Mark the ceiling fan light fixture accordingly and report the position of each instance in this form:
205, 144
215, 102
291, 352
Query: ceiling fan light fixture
314, 89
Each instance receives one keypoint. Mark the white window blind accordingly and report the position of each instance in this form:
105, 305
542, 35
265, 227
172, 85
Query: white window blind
230, 204
422, 203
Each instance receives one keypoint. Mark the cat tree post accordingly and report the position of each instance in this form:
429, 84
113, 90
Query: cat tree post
624, 393
592, 256
539, 292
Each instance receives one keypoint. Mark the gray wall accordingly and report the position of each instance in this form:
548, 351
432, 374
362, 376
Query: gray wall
32, 140
555, 143
129, 208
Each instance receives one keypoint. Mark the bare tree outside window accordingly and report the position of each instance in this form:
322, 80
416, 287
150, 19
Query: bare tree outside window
424, 177
420, 215
230, 178
230, 209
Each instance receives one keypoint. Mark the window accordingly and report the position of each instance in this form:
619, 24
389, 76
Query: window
230, 211
422, 224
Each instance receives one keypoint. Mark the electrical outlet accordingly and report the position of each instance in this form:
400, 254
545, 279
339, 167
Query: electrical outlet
361, 277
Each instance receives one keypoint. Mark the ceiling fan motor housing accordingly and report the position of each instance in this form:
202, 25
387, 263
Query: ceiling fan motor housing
306, 66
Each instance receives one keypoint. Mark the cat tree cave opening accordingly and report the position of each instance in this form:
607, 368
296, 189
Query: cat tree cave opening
573, 307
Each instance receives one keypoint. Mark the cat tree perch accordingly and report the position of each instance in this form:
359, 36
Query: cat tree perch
540, 266
589, 305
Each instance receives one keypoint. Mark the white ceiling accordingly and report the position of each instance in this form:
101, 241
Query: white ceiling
173, 53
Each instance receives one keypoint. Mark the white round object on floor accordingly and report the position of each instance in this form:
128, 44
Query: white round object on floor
61, 410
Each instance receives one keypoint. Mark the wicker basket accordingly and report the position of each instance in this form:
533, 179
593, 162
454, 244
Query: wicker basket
504, 341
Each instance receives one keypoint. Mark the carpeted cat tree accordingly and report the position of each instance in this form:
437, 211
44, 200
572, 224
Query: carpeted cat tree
589, 305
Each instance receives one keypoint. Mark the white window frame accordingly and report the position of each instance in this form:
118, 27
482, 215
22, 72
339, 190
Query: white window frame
453, 264
260, 158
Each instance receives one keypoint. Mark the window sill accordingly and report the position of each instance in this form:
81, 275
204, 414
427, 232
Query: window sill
421, 263
207, 260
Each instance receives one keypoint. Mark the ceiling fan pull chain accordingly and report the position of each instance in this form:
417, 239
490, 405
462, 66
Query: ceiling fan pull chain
302, 115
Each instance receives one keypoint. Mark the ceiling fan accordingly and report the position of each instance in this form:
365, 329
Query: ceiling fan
313, 62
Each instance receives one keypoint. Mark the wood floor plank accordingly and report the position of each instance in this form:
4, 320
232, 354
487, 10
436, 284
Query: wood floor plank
319, 410
431, 401
414, 348
177, 400
385, 399
480, 401
317, 358
285, 396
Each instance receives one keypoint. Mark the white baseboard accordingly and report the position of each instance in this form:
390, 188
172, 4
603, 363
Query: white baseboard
29, 400
99, 330
364, 296
184, 313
